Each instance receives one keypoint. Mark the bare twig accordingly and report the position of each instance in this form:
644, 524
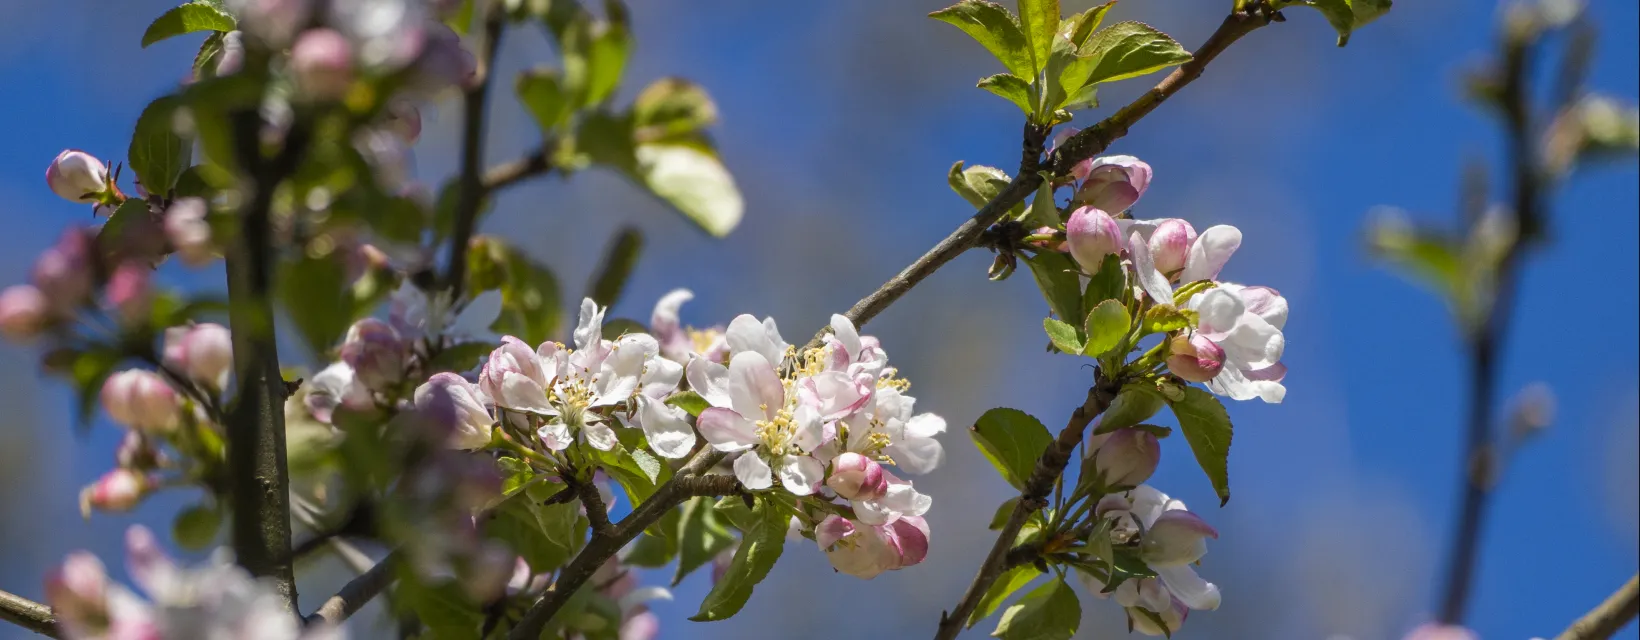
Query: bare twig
28, 614
1608, 618
597, 512
1031, 499
535, 163
356, 593
470, 184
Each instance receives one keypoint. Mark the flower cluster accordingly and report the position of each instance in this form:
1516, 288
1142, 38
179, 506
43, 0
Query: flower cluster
1168, 539
217, 600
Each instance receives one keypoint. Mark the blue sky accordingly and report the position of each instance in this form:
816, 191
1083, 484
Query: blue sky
840, 120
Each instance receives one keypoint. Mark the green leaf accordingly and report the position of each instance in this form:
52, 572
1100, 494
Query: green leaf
651, 551
1428, 256
1011, 88
647, 464
317, 301
1206, 427
1003, 512
1013, 580
689, 401
515, 474
701, 537
1048, 612
188, 18
1346, 16
1013, 441
1132, 49
444, 608
1063, 335
1057, 278
1107, 324
760, 547
978, 184
1038, 22
1081, 27
692, 179
671, 109
735, 511
545, 535
195, 527
1043, 212
995, 29
1135, 403
616, 269
542, 93
530, 305
609, 44
130, 221
1164, 318
1109, 284
158, 154
1066, 74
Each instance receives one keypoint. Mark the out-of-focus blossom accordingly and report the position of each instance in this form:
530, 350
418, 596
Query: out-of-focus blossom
376, 353
117, 490
459, 406
322, 62
141, 400
1438, 631
63, 272
129, 291
335, 386
188, 232
203, 352
24, 312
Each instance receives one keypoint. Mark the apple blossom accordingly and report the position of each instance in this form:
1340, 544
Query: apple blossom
77, 176
1438, 631
760, 410
129, 291
376, 353
137, 451
1170, 539
203, 352
679, 343
1090, 235
864, 551
188, 232
1246, 323
1114, 183
332, 387
1125, 457
24, 312
322, 62
141, 400
856, 477
1195, 358
274, 22
416, 314
899, 500
64, 272
232, 57
459, 406
1170, 245
117, 490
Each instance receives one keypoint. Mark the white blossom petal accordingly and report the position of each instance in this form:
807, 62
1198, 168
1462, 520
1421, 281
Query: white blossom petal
710, 380
1188, 587
666, 428
726, 430
1211, 250
753, 472
801, 474
1144, 266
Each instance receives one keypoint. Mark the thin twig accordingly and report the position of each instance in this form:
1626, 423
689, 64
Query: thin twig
1608, 618
1031, 499
475, 107
1079, 147
597, 512
356, 593
1477, 475
533, 164
28, 614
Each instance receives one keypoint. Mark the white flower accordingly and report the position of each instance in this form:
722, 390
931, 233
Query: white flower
459, 406
899, 501
1246, 322
1172, 539
1206, 257
415, 314
745, 333
751, 408
335, 386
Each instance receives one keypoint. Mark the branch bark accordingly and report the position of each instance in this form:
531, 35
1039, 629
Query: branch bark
259, 484
356, 593
1031, 499
28, 614
533, 164
1608, 618
475, 106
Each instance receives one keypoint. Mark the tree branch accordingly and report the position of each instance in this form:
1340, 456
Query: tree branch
259, 483
602, 547
1083, 145
28, 614
475, 107
1031, 499
1608, 618
356, 593
534, 164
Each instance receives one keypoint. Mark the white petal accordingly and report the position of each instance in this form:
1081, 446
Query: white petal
905, 500
847, 335
664, 320
753, 472
668, 432
660, 377
600, 436
555, 435
918, 455
926, 425
479, 314
521, 393
1220, 309
1211, 250
1144, 266
1233, 383
808, 431
1188, 587
755, 391
746, 334
800, 474
726, 430
1148, 503
1253, 343
777, 346
710, 380
589, 330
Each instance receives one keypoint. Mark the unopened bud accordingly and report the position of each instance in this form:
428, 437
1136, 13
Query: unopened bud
141, 400
24, 312
129, 291
1127, 457
203, 352
1091, 234
188, 232
1114, 183
376, 353
77, 176
322, 61
117, 490
857, 477
63, 272
1195, 358
1170, 245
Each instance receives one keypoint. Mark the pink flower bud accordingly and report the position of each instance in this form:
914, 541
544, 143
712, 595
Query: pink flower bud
322, 62
129, 291
1114, 183
188, 232
141, 400
78, 593
117, 490
375, 352
514, 360
63, 272
1126, 457
856, 477
77, 176
274, 22
24, 312
909, 536
1177, 537
203, 352
1195, 358
1170, 245
1091, 234
457, 405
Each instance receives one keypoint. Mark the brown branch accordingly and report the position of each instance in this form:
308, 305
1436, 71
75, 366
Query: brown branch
688, 482
1608, 618
1031, 499
28, 614
535, 163
475, 107
356, 593
597, 512
1083, 145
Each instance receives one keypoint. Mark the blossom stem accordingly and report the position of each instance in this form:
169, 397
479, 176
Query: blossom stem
1612, 615
356, 593
470, 184
1032, 498
28, 614
1085, 144
535, 163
